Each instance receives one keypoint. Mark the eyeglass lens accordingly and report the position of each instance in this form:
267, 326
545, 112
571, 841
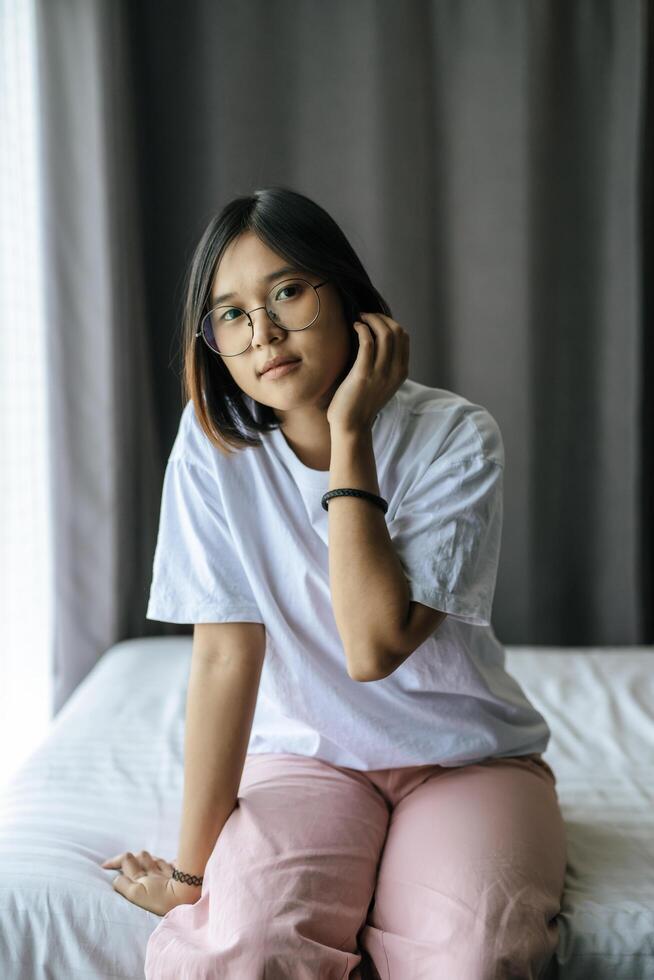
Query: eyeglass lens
293, 304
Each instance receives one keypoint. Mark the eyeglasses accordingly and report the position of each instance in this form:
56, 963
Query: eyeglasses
292, 304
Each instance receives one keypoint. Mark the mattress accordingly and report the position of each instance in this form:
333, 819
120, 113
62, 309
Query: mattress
109, 777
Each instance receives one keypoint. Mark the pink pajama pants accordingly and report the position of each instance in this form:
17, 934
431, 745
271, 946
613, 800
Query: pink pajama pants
322, 872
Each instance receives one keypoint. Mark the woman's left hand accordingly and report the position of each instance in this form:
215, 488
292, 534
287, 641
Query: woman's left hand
148, 882
381, 366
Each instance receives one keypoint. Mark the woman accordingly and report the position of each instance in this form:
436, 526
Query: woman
361, 774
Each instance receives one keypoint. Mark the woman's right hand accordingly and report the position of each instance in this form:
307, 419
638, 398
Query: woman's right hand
147, 881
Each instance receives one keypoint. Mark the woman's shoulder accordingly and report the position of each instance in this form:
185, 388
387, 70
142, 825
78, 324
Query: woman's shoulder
447, 422
193, 445
190, 445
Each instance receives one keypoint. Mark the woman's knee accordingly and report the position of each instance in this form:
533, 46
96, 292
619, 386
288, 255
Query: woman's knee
277, 950
518, 940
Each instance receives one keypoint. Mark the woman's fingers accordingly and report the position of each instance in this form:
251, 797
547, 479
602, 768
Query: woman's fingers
135, 863
148, 863
127, 861
131, 866
113, 862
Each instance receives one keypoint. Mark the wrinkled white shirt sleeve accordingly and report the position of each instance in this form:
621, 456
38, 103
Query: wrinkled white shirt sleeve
197, 576
447, 534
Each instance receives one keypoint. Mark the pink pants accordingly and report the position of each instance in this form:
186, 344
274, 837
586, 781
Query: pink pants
322, 872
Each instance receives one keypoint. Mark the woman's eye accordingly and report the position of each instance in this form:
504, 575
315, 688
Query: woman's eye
231, 310
285, 289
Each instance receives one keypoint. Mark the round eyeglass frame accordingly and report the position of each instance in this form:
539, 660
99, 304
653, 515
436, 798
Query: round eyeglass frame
201, 333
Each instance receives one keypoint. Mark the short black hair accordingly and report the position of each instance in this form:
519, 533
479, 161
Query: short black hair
304, 234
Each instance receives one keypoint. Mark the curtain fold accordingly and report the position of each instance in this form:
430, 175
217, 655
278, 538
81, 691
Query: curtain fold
105, 449
486, 162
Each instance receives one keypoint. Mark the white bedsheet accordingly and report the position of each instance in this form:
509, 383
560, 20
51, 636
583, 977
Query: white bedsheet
109, 778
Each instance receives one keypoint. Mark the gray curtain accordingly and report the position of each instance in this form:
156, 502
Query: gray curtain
488, 161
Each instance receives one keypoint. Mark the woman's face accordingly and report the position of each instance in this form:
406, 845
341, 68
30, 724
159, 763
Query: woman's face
323, 348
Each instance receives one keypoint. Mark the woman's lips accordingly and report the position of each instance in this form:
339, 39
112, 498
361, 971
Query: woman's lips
281, 370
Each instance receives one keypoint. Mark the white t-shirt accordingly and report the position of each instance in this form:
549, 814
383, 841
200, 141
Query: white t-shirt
244, 538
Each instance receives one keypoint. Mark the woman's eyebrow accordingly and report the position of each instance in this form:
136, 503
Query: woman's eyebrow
271, 275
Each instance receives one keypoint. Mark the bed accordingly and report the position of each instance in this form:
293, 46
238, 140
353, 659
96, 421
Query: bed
109, 777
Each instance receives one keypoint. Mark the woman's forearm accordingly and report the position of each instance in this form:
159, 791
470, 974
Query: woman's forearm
222, 695
369, 590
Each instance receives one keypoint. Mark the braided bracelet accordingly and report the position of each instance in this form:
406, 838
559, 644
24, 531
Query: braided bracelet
348, 492
187, 879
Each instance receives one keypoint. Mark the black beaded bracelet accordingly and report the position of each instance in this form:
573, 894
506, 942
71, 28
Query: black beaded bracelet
187, 879
349, 492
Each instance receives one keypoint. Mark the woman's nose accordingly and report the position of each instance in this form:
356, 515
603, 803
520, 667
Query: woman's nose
263, 325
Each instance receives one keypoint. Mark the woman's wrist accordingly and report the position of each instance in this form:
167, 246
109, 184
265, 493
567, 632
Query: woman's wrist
186, 891
184, 887
187, 878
